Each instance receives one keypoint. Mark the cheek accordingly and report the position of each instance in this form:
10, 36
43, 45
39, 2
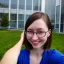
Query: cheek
43, 40
29, 39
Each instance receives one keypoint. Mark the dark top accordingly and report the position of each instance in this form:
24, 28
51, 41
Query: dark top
48, 57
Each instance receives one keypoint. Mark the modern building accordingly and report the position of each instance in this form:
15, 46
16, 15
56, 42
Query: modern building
50, 10
55, 10
18, 11
59, 17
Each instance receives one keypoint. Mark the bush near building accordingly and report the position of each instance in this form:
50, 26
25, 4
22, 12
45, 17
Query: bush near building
4, 21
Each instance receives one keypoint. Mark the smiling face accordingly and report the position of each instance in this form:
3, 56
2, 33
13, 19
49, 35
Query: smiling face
37, 33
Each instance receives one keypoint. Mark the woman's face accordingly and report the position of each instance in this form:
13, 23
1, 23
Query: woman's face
37, 33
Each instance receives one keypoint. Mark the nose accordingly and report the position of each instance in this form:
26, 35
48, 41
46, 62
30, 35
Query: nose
34, 37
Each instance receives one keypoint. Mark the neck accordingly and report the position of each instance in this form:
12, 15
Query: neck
37, 52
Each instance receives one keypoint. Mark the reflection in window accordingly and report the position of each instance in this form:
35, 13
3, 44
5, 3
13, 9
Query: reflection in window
29, 4
35, 4
21, 16
21, 24
4, 4
57, 25
13, 24
0, 16
13, 16
52, 18
61, 28
57, 13
27, 17
21, 4
14, 4
40, 5
62, 18
52, 26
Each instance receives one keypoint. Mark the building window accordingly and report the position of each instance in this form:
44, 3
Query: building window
21, 21
40, 5
21, 24
13, 16
35, 5
28, 4
14, 4
13, 24
21, 4
4, 4
57, 13
57, 25
61, 27
21, 16
27, 16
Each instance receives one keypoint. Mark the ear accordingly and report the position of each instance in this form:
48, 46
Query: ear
49, 33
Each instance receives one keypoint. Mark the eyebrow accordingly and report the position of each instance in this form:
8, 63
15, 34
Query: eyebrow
37, 29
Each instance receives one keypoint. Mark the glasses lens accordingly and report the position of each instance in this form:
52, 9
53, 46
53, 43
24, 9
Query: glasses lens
40, 34
29, 33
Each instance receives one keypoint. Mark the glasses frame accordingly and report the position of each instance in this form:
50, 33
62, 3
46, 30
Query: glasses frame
36, 33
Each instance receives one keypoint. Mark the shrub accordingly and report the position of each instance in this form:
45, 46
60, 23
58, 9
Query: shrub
5, 21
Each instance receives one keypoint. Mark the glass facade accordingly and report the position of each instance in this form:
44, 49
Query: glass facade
35, 4
59, 16
40, 4
14, 4
13, 20
62, 16
55, 10
21, 4
50, 10
4, 4
20, 24
28, 4
21, 21
13, 16
13, 24
0, 18
57, 26
19, 11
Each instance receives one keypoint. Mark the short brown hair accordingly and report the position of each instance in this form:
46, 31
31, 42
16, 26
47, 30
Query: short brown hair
30, 20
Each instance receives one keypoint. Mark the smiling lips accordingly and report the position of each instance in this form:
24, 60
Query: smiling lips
35, 44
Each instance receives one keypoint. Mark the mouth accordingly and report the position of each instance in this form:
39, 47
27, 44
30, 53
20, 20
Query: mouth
35, 43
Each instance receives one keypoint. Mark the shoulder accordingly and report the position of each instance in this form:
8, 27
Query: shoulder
53, 52
55, 56
23, 57
24, 52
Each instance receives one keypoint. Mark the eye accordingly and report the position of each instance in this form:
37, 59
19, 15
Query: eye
29, 31
41, 32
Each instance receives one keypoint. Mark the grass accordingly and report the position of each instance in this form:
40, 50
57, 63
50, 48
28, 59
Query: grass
58, 42
9, 38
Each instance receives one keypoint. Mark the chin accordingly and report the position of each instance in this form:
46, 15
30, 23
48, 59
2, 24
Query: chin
37, 47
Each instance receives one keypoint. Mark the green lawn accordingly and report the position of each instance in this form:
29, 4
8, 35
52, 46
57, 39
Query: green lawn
9, 38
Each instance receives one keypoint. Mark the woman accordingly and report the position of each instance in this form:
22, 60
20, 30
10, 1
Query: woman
37, 40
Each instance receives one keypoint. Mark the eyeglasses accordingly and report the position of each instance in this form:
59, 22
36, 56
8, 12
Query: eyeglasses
39, 34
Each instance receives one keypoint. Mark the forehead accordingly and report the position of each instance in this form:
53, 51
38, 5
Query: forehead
38, 24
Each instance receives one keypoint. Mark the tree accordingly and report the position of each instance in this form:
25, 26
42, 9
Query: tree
5, 21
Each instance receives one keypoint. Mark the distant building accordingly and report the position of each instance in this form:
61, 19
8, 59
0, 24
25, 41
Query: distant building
50, 10
59, 17
18, 11
55, 10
